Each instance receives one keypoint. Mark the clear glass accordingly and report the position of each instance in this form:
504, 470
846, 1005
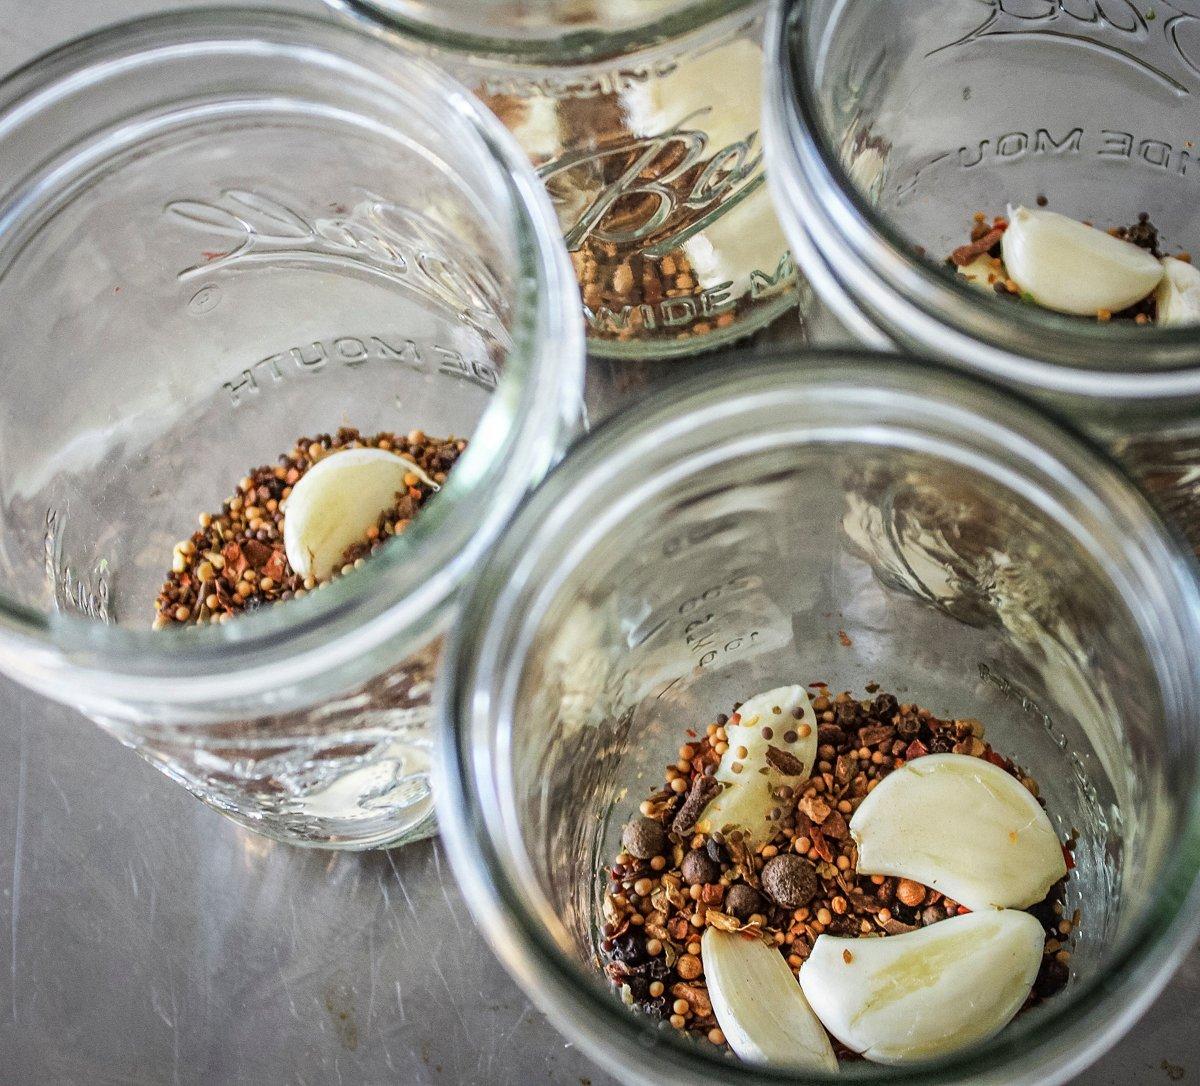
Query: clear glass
888, 124
566, 28
220, 232
643, 120
719, 540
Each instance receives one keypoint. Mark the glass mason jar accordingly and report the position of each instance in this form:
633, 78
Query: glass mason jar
220, 232
842, 518
889, 124
642, 118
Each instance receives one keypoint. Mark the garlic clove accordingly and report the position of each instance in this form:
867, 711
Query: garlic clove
931, 992
767, 749
759, 1006
682, 100
962, 826
984, 271
1069, 267
1178, 295
335, 503
742, 247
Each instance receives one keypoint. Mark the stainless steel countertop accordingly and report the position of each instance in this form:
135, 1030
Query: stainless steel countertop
151, 941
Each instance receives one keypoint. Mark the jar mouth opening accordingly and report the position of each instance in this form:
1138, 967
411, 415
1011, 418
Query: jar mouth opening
476, 720
558, 45
925, 302
536, 402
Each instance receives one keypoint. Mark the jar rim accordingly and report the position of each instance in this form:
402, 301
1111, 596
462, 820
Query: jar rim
876, 282
479, 685
570, 47
409, 586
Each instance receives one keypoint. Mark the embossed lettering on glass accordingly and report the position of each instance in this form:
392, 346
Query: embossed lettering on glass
843, 518
243, 229
642, 119
890, 124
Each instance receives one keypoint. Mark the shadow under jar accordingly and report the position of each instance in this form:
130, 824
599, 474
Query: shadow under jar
889, 125
846, 519
642, 118
220, 232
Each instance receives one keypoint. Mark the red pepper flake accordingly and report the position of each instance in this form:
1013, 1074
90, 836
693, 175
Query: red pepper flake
1070, 860
735, 718
820, 844
996, 759
844, 638
276, 567
258, 554
916, 749
210, 254
234, 559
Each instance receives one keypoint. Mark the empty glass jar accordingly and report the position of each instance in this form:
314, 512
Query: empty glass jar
220, 232
889, 124
847, 519
643, 120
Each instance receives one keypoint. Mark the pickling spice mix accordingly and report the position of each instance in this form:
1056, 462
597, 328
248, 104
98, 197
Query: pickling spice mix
679, 876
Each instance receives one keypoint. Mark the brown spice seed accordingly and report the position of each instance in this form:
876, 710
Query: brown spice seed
845, 904
246, 534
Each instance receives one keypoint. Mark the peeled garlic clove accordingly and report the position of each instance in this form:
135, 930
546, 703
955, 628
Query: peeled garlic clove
962, 826
740, 248
769, 747
682, 100
984, 271
1178, 295
759, 1006
1072, 268
928, 993
336, 502
747, 238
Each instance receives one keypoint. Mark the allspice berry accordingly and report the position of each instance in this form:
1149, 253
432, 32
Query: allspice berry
644, 838
743, 901
790, 880
699, 867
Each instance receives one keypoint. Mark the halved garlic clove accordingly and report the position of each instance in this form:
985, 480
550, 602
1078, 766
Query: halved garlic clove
1072, 268
962, 826
769, 747
743, 246
681, 100
1178, 295
336, 502
759, 1006
928, 993
984, 271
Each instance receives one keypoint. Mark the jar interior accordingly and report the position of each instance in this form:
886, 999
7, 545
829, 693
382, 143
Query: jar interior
545, 21
653, 161
942, 109
858, 557
245, 244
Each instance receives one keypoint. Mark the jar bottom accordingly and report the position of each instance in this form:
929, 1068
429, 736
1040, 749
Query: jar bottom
351, 773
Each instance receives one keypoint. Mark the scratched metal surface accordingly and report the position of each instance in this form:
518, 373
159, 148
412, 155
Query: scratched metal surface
150, 941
